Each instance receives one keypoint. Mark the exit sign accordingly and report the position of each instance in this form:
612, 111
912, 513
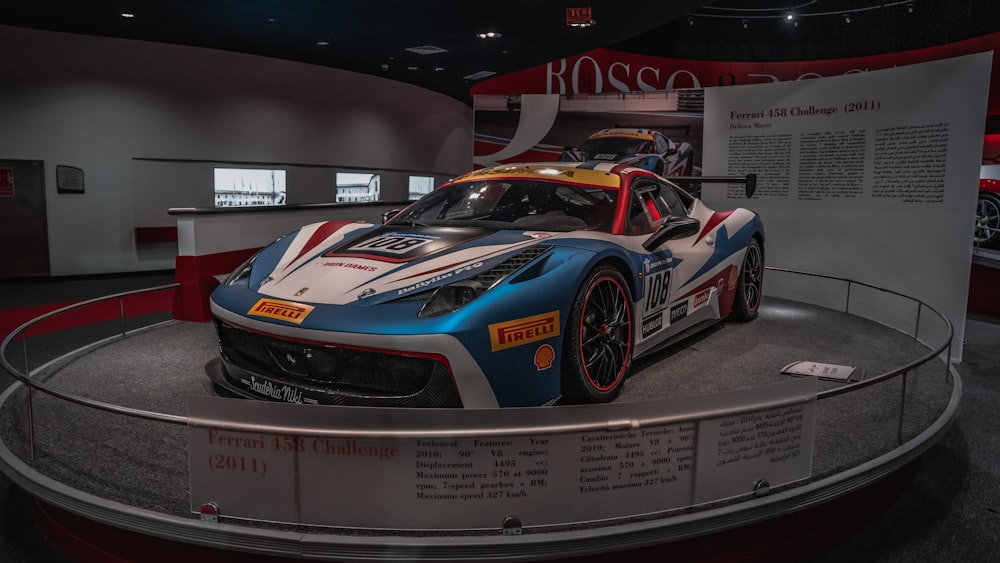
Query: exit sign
579, 16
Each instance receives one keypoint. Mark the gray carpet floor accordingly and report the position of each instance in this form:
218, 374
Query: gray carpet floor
950, 512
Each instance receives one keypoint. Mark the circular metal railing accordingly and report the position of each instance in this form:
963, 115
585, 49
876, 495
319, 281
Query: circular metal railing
934, 351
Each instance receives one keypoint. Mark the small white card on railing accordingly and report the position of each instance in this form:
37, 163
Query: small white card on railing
822, 371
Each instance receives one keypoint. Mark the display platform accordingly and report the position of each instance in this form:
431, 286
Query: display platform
132, 474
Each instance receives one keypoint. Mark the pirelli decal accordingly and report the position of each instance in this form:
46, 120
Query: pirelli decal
526, 330
282, 310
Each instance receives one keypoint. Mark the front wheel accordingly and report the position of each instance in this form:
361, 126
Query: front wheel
598, 344
750, 288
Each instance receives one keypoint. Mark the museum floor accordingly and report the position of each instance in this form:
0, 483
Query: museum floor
949, 512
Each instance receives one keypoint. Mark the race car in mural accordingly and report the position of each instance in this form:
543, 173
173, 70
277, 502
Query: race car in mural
642, 148
517, 285
987, 231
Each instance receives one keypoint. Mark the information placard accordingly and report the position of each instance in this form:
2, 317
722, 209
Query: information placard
470, 469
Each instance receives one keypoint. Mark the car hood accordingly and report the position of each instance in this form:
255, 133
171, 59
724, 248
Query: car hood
353, 264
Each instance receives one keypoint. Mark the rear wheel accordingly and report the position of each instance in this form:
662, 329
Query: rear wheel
598, 343
751, 284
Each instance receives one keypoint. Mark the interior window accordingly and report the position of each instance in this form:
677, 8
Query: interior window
652, 202
661, 144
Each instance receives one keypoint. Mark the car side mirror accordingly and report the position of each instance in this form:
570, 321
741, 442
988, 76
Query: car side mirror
673, 228
390, 214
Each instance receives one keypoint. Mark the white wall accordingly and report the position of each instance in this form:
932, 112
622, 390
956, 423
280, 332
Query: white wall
98, 103
896, 213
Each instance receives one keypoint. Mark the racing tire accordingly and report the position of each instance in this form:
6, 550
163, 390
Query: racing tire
750, 287
987, 220
597, 349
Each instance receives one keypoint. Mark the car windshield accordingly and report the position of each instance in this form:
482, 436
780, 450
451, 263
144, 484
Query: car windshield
616, 146
514, 204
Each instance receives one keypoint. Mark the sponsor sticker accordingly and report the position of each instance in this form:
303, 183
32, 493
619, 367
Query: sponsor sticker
282, 310
652, 325
350, 265
276, 392
701, 298
656, 263
526, 330
678, 312
734, 276
544, 357
440, 277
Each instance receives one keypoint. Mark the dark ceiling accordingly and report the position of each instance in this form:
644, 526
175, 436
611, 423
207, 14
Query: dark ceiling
374, 36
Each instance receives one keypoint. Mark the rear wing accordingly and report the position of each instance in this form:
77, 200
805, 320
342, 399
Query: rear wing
749, 181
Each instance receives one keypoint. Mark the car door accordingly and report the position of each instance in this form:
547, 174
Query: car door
668, 268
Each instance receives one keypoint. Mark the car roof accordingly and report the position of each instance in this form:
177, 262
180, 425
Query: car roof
646, 134
604, 176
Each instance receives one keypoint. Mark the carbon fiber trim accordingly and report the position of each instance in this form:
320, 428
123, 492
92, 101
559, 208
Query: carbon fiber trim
265, 367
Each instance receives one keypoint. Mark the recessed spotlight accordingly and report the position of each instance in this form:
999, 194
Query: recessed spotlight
128, 15
847, 18
746, 24
790, 17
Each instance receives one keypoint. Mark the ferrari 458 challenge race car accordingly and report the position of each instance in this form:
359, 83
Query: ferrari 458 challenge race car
642, 148
516, 285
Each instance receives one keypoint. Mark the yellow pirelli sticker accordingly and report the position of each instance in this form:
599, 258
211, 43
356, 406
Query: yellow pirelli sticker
281, 310
526, 330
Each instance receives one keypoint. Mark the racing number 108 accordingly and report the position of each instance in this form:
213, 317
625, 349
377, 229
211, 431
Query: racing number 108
391, 244
657, 290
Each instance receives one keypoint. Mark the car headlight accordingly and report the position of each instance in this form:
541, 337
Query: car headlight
242, 272
452, 297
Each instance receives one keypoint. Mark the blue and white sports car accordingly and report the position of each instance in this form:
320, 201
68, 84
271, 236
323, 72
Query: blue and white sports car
518, 285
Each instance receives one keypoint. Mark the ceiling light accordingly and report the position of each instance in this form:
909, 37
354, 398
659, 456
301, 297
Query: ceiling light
489, 35
128, 15
479, 75
690, 20
426, 50
323, 43
746, 23
847, 18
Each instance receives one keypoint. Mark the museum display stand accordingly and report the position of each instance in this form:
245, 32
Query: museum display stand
129, 452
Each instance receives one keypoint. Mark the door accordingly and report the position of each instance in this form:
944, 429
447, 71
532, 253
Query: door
23, 225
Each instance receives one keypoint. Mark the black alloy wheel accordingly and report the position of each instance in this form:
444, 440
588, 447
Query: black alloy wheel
598, 346
749, 290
